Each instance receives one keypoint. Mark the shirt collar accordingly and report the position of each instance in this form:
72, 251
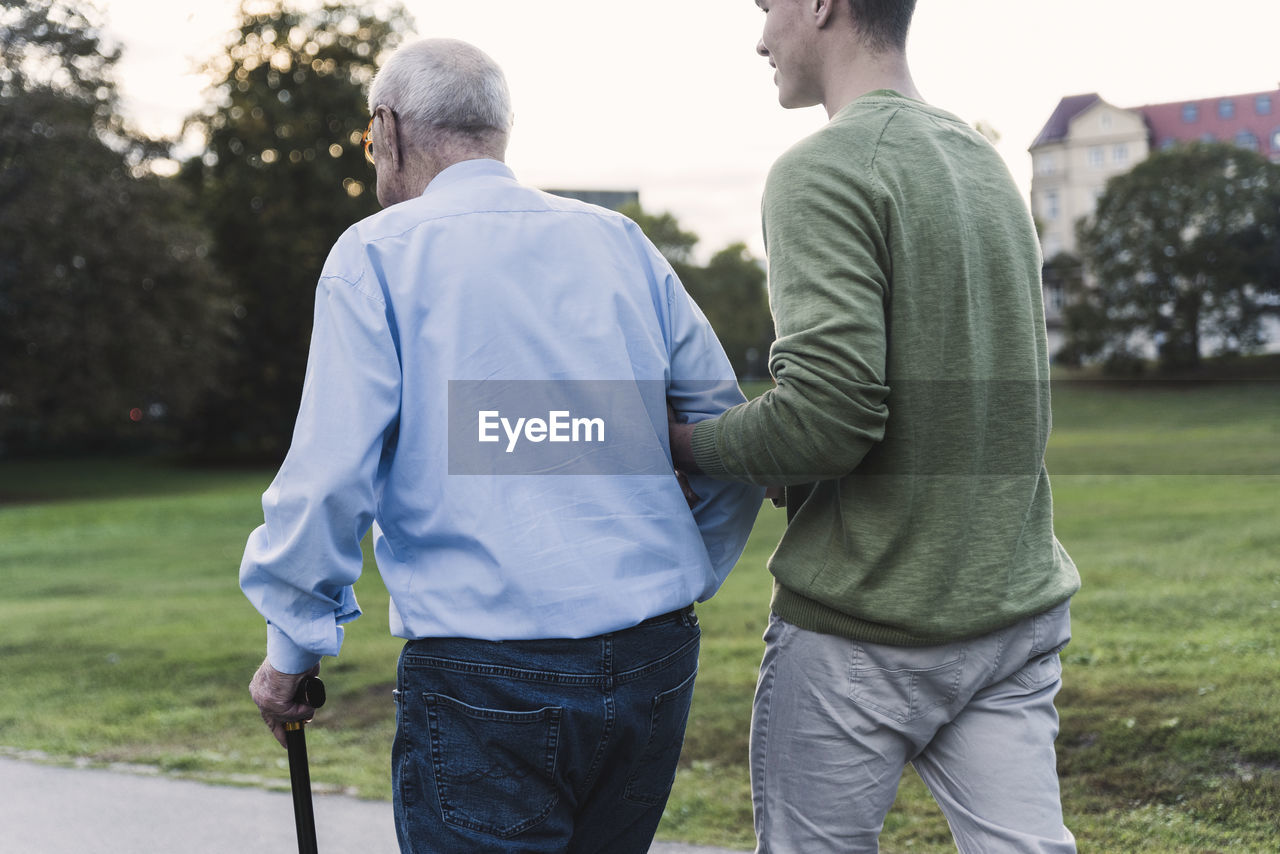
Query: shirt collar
467, 170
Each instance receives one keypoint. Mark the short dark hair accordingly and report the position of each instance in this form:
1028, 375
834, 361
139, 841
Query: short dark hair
883, 23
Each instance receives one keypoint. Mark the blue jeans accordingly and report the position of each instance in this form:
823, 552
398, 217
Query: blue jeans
541, 746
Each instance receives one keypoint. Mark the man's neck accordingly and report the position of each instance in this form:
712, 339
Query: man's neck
868, 72
431, 164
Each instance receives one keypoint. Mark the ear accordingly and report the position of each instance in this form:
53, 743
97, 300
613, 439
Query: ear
390, 133
822, 11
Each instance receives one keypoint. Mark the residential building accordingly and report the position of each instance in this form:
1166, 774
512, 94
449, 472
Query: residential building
1087, 141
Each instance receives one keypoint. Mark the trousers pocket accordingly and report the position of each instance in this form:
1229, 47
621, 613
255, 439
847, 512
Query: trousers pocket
1040, 671
1050, 634
655, 772
903, 693
494, 769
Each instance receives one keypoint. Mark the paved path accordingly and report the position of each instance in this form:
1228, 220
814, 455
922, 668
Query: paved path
46, 809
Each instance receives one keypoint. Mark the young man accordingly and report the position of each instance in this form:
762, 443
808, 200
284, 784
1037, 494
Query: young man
921, 597
486, 388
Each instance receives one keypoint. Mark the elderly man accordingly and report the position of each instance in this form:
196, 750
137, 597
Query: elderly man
921, 598
487, 388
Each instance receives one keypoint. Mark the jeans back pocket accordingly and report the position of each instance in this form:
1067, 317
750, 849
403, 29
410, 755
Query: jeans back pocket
655, 772
494, 769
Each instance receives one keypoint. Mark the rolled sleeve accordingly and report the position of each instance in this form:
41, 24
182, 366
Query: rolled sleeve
300, 566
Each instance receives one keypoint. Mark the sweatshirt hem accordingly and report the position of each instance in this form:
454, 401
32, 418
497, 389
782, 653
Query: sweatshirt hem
811, 615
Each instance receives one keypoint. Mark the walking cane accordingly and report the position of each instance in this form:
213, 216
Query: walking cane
311, 693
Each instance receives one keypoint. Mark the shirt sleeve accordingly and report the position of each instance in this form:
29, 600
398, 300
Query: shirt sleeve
828, 289
299, 566
702, 385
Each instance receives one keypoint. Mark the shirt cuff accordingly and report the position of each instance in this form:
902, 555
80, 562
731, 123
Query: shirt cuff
286, 656
705, 453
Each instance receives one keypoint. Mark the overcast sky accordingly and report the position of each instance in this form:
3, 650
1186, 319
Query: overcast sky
668, 96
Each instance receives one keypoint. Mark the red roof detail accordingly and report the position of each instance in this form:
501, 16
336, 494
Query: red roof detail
1168, 124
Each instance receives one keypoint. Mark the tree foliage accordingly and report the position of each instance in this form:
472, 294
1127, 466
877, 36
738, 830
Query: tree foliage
281, 177
56, 46
111, 316
1183, 252
730, 290
664, 232
137, 308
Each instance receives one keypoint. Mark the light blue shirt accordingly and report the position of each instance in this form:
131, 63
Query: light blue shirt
485, 390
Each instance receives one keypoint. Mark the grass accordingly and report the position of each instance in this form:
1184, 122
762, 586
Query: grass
124, 638
1165, 428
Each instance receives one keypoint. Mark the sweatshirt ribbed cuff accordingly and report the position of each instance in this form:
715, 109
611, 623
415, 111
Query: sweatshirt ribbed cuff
705, 453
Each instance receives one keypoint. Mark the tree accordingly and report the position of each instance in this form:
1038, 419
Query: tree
665, 233
111, 317
730, 290
281, 177
1182, 251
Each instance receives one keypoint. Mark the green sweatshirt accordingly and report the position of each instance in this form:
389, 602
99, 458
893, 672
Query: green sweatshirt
911, 406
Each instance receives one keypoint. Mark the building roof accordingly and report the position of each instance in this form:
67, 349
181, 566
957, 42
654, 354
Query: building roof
1226, 118
1068, 108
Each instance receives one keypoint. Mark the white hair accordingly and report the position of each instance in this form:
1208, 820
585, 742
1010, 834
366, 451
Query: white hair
444, 84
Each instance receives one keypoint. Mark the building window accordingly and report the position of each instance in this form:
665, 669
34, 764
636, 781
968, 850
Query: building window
1208, 137
1120, 154
1226, 109
1262, 105
1245, 139
1275, 141
1168, 144
1096, 158
1051, 209
1105, 121
1190, 113
1046, 164
1057, 297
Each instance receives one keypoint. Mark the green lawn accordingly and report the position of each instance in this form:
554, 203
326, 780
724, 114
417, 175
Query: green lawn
124, 638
